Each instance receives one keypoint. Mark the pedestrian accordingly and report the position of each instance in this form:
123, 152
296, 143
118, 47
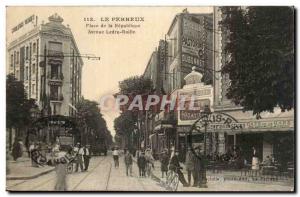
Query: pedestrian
190, 165
199, 178
116, 157
128, 163
149, 162
86, 157
35, 155
164, 162
175, 166
78, 150
30, 149
17, 150
61, 172
142, 164
255, 161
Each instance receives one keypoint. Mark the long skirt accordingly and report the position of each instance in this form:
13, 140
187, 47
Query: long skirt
61, 174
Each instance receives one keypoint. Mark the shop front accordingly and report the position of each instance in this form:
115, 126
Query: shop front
271, 136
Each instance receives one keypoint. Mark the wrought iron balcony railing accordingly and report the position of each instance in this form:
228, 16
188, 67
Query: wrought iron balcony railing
58, 97
55, 54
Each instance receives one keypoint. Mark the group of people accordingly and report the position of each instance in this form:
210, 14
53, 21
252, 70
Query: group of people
193, 164
80, 155
145, 163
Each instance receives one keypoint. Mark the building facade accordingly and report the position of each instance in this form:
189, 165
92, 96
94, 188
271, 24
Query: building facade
272, 135
47, 60
188, 43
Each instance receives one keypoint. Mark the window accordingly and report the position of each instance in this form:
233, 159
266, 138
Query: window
26, 73
33, 68
11, 60
33, 89
17, 74
54, 71
27, 53
54, 92
34, 48
18, 57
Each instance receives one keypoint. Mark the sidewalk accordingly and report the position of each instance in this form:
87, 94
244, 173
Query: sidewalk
230, 181
23, 170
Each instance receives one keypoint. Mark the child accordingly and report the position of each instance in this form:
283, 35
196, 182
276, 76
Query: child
142, 164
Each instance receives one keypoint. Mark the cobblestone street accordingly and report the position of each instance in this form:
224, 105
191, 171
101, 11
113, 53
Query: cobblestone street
103, 176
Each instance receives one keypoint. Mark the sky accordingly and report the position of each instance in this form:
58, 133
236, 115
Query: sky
122, 56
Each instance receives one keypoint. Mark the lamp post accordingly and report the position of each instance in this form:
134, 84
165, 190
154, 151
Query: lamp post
205, 118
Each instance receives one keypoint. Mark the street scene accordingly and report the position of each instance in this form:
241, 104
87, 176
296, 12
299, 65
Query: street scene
141, 99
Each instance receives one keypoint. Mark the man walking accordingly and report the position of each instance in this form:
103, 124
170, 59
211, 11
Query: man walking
190, 166
142, 164
128, 163
116, 157
78, 150
164, 161
86, 157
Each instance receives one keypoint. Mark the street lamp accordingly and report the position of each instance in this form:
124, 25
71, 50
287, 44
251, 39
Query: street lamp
205, 119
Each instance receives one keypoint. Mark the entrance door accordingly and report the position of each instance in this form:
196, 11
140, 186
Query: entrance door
246, 141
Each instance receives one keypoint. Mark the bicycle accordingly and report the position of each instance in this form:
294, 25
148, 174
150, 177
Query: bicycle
172, 179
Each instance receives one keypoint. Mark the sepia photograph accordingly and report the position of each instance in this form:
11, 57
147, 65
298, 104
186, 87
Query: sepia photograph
150, 98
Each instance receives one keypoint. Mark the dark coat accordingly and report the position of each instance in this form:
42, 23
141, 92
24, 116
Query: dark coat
141, 162
128, 159
190, 161
199, 162
17, 150
164, 162
174, 163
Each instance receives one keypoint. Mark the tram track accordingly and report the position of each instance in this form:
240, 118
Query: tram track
53, 177
87, 175
108, 178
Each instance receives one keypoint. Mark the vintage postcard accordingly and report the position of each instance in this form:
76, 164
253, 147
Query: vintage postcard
150, 98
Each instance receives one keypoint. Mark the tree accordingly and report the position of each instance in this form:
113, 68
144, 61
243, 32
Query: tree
89, 116
17, 106
126, 123
261, 57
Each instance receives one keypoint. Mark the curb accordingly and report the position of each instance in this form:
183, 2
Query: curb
30, 177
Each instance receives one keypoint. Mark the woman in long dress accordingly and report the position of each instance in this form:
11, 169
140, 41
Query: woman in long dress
61, 173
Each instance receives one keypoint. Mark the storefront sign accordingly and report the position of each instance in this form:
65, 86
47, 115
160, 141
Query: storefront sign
193, 114
31, 19
190, 59
191, 45
215, 126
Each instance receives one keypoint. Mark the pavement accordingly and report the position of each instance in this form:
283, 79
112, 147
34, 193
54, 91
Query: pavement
22, 169
231, 181
103, 176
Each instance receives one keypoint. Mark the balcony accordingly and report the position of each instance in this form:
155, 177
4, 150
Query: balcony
55, 54
55, 57
56, 98
55, 79
55, 76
